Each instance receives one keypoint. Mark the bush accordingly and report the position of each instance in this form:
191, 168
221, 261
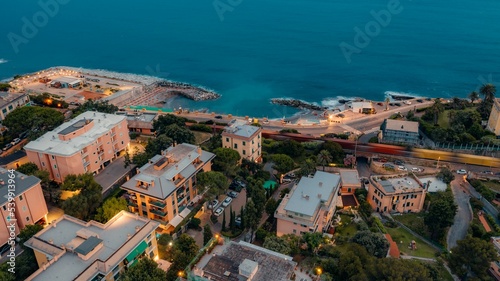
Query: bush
200, 128
133, 135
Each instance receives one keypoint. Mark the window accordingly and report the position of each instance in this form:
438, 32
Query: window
150, 244
55, 166
53, 157
4, 111
122, 142
294, 231
10, 107
244, 143
244, 152
57, 175
235, 146
4, 208
27, 218
227, 139
20, 198
43, 164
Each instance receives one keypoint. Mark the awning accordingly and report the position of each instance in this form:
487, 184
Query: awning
138, 250
185, 212
175, 221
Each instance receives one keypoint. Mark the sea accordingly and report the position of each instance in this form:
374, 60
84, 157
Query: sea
250, 51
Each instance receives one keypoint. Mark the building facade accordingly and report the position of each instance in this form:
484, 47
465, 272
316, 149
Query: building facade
400, 194
85, 144
11, 101
310, 205
141, 123
494, 120
400, 132
71, 249
26, 207
165, 187
244, 138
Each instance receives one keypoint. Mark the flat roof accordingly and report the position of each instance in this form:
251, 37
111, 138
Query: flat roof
23, 184
51, 144
67, 79
241, 129
310, 192
400, 125
180, 160
65, 233
271, 265
350, 177
400, 184
7, 98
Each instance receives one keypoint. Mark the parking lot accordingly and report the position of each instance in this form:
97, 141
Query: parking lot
236, 205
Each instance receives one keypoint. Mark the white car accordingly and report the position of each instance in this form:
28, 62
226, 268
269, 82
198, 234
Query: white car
461, 172
227, 201
402, 168
219, 211
407, 102
416, 170
213, 204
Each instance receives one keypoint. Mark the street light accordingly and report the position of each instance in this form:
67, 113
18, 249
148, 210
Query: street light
319, 271
437, 165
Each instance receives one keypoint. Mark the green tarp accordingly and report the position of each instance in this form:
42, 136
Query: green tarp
137, 251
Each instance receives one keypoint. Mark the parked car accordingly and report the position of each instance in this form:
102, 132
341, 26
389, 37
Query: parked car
419, 100
232, 194
416, 170
461, 172
389, 166
24, 134
487, 172
219, 211
227, 201
398, 162
407, 102
402, 168
287, 180
7, 147
218, 117
213, 204
16, 141
237, 221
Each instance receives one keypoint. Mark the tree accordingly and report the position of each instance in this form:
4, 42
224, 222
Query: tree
436, 109
445, 175
277, 244
472, 255
4, 87
290, 147
110, 208
96, 105
36, 120
140, 159
473, 96
226, 161
232, 216
374, 243
324, 158
215, 183
313, 240
194, 223
282, 163
252, 216
166, 120
28, 168
207, 234
223, 221
488, 91
156, 145
28, 232
164, 246
271, 206
85, 203
179, 134
441, 213
307, 167
145, 270
335, 150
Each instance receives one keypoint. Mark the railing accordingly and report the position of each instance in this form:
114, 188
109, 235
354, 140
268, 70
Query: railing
158, 212
85, 164
132, 203
158, 203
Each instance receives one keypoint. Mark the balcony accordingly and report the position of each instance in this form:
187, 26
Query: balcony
132, 203
85, 164
157, 203
158, 212
180, 199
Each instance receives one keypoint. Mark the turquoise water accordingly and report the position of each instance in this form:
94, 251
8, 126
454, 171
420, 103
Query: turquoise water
264, 49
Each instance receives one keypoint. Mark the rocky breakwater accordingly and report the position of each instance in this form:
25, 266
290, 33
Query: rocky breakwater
297, 103
189, 91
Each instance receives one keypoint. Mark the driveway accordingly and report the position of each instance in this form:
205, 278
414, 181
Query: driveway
112, 173
462, 220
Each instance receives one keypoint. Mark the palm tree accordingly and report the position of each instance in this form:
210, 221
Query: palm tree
324, 158
437, 108
488, 91
473, 96
456, 103
387, 100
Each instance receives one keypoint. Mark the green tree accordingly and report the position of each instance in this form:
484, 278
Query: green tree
313, 240
140, 159
179, 134
271, 206
472, 256
223, 221
445, 175
4, 87
215, 183
166, 120
110, 208
96, 105
84, 204
307, 167
291, 148
335, 150
441, 213
252, 216
324, 158
436, 109
282, 163
277, 244
473, 96
226, 161
28, 168
145, 270
374, 243
488, 91
28, 232
165, 243
156, 145
36, 120
207, 234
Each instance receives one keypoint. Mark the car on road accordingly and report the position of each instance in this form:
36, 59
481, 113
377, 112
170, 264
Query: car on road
232, 194
407, 102
398, 162
24, 134
237, 221
402, 168
7, 147
416, 170
380, 104
419, 100
213, 204
227, 201
218, 117
16, 141
219, 211
487, 172
461, 172
287, 180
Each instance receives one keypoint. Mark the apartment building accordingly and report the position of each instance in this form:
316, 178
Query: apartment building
71, 249
27, 206
244, 138
400, 132
494, 120
11, 101
140, 122
396, 194
85, 144
310, 205
165, 187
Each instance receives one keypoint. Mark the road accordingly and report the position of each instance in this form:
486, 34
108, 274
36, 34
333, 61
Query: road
462, 220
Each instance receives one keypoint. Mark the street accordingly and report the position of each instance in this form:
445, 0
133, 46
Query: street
462, 219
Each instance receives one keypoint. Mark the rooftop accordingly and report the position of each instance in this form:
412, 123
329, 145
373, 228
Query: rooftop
349, 177
271, 265
51, 144
23, 183
67, 79
119, 237
141, 120
310, 192
158, 174
403, 126
7, 98
400, 184
241, 128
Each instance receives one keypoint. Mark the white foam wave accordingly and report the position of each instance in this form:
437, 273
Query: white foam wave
389, 94
3, 61
335, 101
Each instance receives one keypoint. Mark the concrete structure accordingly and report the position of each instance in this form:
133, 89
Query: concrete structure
71, 249
244, 261
244, 138
11, 101
140, 122
66, 82
399, 193
400, 132
85, 144
362, 107
310, 205
26, 207
494, 120
350, 181
164, 187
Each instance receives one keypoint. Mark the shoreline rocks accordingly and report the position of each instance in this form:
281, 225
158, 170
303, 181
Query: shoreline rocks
297, 103
188, 91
